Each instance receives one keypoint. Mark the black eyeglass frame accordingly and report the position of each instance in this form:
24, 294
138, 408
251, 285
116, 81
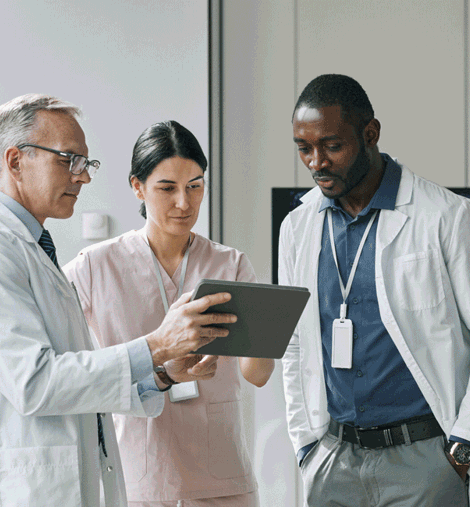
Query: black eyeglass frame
95, 164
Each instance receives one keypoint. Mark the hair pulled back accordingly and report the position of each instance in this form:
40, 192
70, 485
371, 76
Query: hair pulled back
159, 142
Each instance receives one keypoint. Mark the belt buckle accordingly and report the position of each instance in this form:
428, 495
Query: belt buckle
358, 438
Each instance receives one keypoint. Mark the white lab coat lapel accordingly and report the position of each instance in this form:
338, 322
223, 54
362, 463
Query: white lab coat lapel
17, 227
389, 226
307, 236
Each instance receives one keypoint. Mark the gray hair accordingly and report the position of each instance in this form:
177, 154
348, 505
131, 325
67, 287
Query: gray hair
18, 116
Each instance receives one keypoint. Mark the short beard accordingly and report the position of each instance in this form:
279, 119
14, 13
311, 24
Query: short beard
356, 173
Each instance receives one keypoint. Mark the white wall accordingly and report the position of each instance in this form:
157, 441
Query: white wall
408, 54
258, 93
128, 64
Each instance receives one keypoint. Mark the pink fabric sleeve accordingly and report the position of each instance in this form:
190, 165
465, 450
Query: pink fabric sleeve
245, 272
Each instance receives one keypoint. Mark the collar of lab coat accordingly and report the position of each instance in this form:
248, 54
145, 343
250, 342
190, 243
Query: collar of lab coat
11, 224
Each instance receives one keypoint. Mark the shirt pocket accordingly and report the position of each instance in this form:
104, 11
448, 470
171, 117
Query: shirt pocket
40, 476
418, 280
227, 449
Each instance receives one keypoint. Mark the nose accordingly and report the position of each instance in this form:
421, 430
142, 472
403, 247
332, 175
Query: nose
182, 201
317, 160
83, 177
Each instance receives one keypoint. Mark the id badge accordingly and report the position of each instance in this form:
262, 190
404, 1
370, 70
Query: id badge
342, 344
183, 391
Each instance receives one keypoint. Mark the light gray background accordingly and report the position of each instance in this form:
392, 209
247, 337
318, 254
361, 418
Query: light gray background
128, 64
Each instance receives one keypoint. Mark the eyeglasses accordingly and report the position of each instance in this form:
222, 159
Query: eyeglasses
78, 163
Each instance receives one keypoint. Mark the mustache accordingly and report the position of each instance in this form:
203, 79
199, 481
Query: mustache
323, 174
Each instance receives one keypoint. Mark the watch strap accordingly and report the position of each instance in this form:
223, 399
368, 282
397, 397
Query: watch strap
163, 376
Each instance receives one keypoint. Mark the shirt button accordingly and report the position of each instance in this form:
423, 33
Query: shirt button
353, 227
355, 336
351, 264
110, 469
362, 408
355, 301
359, 373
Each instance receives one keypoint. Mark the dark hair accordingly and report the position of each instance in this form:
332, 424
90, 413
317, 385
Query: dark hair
159, 142
336, 89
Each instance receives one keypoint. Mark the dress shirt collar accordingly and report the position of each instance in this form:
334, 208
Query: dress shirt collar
34, 227
386, 195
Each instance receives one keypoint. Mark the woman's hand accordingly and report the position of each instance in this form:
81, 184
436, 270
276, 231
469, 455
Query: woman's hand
191, 367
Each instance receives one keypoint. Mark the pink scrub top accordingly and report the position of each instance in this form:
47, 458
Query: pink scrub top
195, 448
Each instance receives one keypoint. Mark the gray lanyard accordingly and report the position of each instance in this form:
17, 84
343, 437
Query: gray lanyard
160, 279
345, 291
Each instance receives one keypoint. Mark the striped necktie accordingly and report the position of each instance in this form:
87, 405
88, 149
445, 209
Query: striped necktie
45, 241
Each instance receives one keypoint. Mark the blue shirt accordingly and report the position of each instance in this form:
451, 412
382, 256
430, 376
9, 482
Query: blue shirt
379, 388
138, 350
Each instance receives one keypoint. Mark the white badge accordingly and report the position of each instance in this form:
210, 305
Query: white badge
184, 391
342, 333
342, 344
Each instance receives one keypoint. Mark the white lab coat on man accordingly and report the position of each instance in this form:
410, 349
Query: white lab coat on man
422, 272
52, 384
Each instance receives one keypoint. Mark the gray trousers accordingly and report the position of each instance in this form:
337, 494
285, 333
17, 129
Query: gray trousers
340, 474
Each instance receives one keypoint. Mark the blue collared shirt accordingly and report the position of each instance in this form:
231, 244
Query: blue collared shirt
139, 353
379, 388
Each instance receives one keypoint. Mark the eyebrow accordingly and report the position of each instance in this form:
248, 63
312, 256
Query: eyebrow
326, 138
174, 182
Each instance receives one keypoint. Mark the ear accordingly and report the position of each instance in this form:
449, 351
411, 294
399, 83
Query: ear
11, 162
372, 133
137, 188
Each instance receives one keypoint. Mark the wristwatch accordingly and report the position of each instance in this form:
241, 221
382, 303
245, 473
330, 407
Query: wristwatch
163, 376
460, 452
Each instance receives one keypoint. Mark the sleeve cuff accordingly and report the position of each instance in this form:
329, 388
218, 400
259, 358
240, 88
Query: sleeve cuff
453, 438
301, 453
140, 359
149, 384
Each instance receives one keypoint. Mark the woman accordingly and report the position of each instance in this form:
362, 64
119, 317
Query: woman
193, 454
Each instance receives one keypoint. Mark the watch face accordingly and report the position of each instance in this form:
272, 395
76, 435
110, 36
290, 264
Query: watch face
159, 369
462, 454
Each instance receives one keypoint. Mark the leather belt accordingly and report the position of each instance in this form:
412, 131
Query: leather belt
379, 437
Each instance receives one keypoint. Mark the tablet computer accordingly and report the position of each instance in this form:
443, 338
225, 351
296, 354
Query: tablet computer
267, 316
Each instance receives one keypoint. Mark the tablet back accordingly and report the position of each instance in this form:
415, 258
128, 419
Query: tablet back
267, 316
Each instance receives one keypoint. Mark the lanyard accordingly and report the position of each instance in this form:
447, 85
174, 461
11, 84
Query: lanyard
345, 291
182, 277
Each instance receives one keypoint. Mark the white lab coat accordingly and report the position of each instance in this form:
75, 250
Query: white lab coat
52, 384
422, 272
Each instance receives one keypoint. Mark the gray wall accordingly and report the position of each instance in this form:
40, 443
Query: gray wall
128, 64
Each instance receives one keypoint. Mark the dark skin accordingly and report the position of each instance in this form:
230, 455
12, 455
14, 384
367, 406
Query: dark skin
346, 165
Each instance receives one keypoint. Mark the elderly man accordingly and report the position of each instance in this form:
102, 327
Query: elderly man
376, 376
55, 390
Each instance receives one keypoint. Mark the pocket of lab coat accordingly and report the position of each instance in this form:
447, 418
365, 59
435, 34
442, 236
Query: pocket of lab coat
418, 280
228, 457
40, 476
